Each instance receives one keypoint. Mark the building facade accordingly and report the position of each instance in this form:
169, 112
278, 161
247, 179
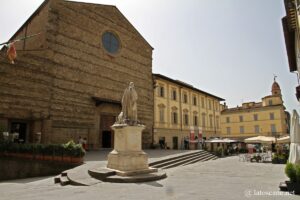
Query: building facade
68, 81
265, 118
291, 30
179, 107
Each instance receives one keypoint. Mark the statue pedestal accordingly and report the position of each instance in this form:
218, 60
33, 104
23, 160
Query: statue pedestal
128, 158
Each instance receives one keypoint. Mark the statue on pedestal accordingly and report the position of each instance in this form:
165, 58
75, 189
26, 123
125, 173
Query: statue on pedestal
127, 162
128, 114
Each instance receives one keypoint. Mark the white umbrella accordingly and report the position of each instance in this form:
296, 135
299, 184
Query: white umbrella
260, 139
295, 139
217, 140
227, 140
284, 140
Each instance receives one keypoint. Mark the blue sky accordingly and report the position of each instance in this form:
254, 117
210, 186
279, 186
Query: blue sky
230, 48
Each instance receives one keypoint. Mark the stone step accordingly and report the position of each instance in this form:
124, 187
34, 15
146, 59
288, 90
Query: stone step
64, 173
177, 159
137, 178
283, 186
57, 179
177, 156
101, 173
212, 158
64, 181
208, 157
81, 178
182, 162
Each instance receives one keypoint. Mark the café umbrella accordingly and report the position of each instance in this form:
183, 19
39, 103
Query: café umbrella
260, 139
294, 156
284, 140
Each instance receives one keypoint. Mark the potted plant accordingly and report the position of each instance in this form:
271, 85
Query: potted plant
58, 152
256, 158
279, 158
220, 152
293, 172
68, 151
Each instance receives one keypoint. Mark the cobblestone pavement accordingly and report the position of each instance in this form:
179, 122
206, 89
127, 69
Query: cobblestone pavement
225, 178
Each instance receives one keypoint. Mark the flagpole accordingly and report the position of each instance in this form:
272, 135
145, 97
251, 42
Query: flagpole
20, 39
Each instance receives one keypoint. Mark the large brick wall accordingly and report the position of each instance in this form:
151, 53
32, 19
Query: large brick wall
59, 81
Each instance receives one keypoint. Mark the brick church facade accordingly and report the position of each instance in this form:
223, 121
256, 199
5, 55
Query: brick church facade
68, 81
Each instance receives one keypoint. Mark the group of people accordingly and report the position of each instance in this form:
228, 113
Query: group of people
162, 143
83, 142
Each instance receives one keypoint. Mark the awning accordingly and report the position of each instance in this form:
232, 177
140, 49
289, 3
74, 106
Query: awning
217, 140
260, 139
284, 140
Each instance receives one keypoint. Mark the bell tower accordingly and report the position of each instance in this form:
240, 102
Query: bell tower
276, 88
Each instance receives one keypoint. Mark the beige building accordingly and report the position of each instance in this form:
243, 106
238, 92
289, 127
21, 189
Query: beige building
69, 80
267, 118
180, 107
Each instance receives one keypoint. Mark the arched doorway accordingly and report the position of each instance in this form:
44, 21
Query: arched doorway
106, 133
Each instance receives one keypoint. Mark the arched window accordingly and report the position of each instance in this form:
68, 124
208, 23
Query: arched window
203, 120
174, 115
195, 118
161, 108
217, 122
186, 117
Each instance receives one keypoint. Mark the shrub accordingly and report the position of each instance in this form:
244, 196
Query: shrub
297, 169
72, 149
25, 148
290, 171
219, 151
2, 129
279, 158
243, 150
4, 146
68, 149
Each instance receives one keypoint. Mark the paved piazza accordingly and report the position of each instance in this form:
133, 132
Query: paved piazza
225, 178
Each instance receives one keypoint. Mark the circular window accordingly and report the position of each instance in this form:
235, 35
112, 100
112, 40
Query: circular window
110, 42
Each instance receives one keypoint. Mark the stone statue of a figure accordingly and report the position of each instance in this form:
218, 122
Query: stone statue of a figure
129, 106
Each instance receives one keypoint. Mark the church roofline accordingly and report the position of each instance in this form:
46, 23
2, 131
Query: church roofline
36, 12
45, 3
113, 6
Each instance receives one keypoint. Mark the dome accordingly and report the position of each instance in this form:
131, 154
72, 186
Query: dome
275, 86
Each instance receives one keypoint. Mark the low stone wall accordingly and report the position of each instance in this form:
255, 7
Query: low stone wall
16, 168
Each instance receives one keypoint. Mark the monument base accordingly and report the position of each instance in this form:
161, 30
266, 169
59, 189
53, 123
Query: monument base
127, 155
128, 161
110, 175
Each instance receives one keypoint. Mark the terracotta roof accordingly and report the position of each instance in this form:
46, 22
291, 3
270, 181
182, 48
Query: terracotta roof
256, 106
183, 84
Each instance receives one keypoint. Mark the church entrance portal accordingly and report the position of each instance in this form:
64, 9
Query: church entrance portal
106, 133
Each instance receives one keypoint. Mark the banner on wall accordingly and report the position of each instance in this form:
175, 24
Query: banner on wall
200, 135
192, 134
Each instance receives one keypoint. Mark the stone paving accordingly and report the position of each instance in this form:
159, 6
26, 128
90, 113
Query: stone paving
225, 178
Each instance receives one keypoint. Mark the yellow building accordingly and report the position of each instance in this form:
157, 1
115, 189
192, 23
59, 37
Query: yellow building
267, 118
179, 107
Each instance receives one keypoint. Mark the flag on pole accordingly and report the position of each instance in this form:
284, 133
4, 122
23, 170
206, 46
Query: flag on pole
11, 52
